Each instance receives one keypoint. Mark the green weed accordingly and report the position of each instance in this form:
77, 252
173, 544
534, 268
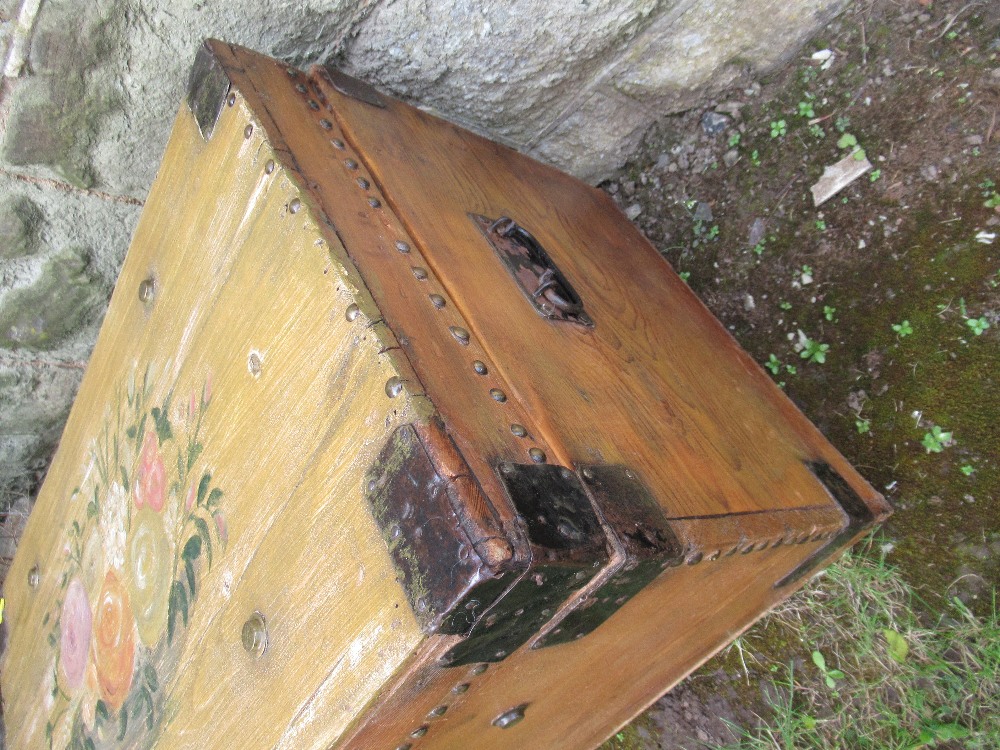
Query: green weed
901, 682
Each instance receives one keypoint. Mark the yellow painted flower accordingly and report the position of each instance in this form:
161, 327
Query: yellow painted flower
148, 572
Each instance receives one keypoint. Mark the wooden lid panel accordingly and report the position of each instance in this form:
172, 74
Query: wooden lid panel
657, 384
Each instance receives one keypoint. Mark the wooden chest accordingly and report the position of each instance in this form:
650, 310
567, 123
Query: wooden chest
394, 438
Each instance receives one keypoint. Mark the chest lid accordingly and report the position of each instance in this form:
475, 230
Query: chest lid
540, 322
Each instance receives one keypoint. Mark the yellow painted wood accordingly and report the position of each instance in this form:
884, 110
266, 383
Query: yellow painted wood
246, 330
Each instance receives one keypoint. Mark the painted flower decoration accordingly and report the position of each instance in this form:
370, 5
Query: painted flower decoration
114, 642
152, 476
149, 567
146, 520
74, 639
113, 513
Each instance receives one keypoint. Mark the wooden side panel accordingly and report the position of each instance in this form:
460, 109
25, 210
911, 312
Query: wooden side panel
394, 269
657, 384
576, 694
211, 469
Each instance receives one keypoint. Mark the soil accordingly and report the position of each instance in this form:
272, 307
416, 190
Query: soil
898, 275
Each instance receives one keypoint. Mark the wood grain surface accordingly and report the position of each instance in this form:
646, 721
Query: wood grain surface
235, 272
300, 286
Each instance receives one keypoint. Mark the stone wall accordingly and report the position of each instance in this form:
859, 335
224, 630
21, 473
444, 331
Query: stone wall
89, 90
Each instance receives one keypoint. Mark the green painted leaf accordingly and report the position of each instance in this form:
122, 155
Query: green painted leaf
182, 600
151, 680
206, 479
161, 418
898, 648
199, 523
177, 604
88, 744
91, 509
124, 477
193, 548
122, 723
52, 639
138, 704
101, 711
189, 569
131, 432
836, 674
147, 700
214, 497
140, 433
194, 450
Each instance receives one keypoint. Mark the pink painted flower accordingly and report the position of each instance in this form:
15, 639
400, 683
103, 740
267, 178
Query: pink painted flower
74, 639
206, 392
192, 406
220, 524
152, 476
192, 494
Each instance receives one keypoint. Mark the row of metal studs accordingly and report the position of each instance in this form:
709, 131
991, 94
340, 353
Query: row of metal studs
394, 386
695, 557
420, 273
438, 711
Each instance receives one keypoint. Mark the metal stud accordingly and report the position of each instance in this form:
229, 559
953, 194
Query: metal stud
462, 687
292, 72
480, 668
352, 312
588, 474
511, 717
479, 368
461, 335
146, 289
437, 711
419, 731
402, 247
325, 124
694, 559
301, 88
497, 395
363, 183
295, 205
517, 430
404, 746
231, 100
393, 386
437, 300
255, 634
350, 164
269, 167
337, 144
34, 577
537, 455
313, 105
420, 274
254, 363
248, 131
374, 202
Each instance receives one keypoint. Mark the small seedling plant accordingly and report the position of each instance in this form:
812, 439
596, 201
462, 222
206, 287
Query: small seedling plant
830, 676
936, 440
